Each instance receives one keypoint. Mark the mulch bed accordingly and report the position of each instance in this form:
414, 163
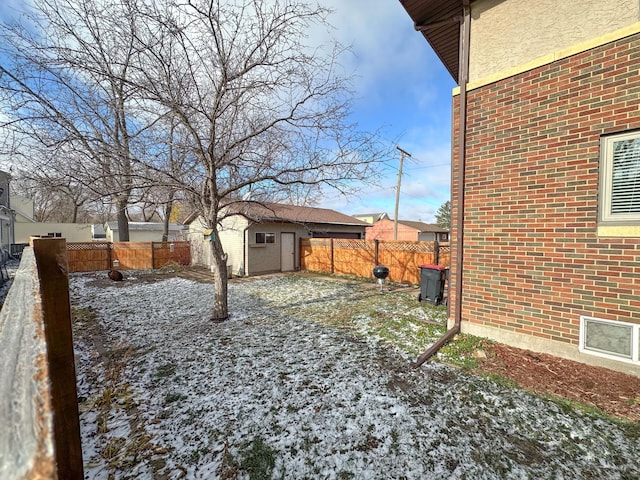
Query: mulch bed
613, 392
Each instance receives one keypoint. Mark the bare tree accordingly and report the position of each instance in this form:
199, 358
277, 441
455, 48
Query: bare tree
65, 82
265, 112
251, 108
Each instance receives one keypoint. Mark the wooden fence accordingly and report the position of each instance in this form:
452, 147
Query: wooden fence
94, 256
358, 257
38, 397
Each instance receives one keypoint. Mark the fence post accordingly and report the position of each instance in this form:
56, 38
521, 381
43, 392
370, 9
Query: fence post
436, 252
332, 256
376, 250
51, 261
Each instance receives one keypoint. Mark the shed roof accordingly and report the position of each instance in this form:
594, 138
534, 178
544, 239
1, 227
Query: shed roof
439, 22
423, 227
277, 212
146, 226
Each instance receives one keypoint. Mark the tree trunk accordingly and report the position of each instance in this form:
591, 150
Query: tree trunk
123, 221
74, 216
219, 268
167, 216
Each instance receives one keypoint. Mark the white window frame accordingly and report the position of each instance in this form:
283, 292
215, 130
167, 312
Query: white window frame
635, 340
267, 235
606, 181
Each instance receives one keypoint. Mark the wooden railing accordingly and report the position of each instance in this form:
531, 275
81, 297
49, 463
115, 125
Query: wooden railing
40, 435
358, 257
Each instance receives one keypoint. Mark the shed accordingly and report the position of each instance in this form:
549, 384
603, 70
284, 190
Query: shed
261, 238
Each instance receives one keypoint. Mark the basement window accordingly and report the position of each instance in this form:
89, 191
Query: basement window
620, 179
611, 339
265, 237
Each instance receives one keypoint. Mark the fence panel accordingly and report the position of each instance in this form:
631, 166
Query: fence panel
132, 255
404, 258
445, 255
89, 256
96, 256
170, 252
316, 255
354, 257
358, 257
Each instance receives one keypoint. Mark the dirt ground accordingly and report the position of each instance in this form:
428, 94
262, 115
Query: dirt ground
613, 392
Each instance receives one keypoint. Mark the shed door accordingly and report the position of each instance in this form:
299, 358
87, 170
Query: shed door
287, 252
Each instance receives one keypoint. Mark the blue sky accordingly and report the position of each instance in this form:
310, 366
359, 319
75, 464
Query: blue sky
402, 88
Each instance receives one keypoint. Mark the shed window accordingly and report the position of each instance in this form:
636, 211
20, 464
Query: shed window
265, 237
620, 179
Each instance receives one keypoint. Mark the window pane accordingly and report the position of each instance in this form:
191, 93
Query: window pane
270, 238
260, 238
608, 338
625, 184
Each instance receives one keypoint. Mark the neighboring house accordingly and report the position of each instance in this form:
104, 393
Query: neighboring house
546, 250
7, 216
144, 232
26, 227
408, 231
23, 208
371, 218
71, 232
265, 238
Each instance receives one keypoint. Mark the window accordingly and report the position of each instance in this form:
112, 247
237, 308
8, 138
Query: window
56, 235
609, 338
620, 179
265, 237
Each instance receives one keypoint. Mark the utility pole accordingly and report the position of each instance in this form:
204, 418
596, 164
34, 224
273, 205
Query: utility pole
395, 216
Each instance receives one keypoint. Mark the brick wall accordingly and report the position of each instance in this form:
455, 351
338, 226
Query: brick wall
383, 230
533, 262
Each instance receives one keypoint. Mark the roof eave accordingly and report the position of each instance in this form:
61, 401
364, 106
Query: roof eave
439, 23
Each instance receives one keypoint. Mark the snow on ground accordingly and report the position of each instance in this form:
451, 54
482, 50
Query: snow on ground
310, 378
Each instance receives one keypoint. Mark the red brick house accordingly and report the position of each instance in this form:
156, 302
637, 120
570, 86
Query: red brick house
546, 177
407, 231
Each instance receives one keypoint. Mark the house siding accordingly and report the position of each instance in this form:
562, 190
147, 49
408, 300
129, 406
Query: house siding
266, 258
533, 260
232, 237
496, 23
72, 232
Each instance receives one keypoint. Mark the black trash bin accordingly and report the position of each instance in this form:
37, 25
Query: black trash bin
432, 278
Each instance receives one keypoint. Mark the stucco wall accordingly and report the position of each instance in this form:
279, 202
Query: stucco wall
72, 232
508, 33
